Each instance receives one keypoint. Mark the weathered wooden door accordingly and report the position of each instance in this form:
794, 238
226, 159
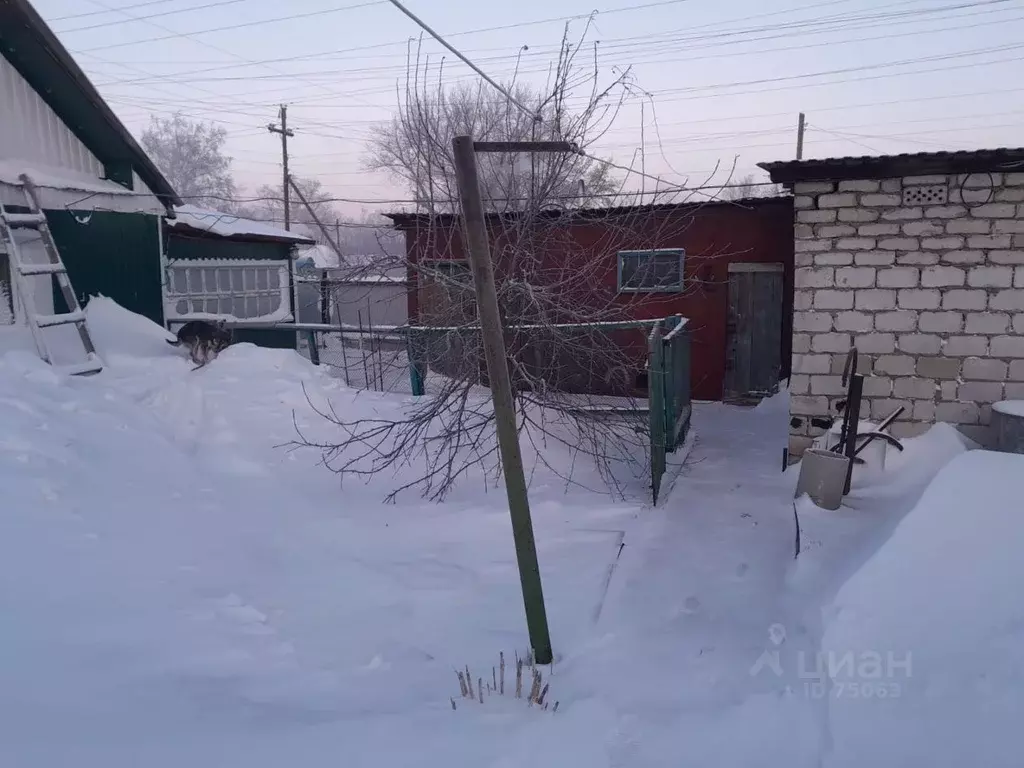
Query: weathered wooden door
754, 330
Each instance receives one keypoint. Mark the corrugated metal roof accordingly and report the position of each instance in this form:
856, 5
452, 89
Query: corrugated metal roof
891, 166
231, 227
574, 214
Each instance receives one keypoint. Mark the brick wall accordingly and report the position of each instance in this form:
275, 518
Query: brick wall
925, 275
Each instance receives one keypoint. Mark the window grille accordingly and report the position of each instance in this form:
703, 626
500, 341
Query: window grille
244, 290
653, 271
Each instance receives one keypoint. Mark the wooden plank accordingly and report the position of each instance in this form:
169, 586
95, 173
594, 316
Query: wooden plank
755, 267
766, 296
744, 332
729, 385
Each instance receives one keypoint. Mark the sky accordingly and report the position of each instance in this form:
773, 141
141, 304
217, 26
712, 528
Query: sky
716, 86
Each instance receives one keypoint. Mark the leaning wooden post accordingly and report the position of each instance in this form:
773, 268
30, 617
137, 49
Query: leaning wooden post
478, 247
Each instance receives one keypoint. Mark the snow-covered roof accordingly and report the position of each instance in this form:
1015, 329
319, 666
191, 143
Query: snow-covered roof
322, 256
358, 268
234, 227
64, 189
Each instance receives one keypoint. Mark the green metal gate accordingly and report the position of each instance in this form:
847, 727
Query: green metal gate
668, 379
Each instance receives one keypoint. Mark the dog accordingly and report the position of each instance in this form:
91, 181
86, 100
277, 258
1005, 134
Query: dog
205, 340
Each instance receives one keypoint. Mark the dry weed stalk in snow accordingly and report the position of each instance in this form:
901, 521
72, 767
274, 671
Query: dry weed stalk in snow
538, 688
557, 295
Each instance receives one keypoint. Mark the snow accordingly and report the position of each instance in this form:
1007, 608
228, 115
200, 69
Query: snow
226, 225
64, 188
179, 587
1010, 407
319, 256
279, 315
942, 600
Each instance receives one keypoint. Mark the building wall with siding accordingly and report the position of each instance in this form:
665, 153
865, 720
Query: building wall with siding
925, 276
31, 133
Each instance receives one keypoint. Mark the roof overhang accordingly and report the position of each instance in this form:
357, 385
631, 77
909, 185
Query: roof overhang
895, 166
204, 222
412, 220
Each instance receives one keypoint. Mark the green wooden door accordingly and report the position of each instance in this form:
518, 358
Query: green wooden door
116, 255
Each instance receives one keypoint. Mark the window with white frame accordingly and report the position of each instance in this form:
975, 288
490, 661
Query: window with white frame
652, 271
245, 290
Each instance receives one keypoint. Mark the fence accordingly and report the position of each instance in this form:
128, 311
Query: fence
669, 406
392, 359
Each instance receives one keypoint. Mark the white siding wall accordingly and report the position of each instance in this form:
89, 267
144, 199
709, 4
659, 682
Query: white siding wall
31, 133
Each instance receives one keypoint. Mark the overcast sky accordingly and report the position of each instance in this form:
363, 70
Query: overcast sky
727, 79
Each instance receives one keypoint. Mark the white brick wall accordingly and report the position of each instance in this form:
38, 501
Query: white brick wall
932, 297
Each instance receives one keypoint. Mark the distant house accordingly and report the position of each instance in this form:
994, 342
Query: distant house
358, 292
223, 266
102, 195
119, 226
918, 261
727, 266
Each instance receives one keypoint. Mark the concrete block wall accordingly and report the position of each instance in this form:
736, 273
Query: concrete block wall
925, 275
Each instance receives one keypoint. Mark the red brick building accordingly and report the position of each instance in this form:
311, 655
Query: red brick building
726, 266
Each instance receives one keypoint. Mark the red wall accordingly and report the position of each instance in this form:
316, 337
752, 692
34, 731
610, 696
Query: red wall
580, 255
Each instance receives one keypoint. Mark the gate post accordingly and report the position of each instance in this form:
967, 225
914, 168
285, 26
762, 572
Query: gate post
656, 407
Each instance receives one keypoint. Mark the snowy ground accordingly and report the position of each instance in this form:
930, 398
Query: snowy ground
178, 590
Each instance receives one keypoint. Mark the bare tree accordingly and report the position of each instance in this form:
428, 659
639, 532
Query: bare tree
571, 344
191, 155
268, 206
747, 187
415, 145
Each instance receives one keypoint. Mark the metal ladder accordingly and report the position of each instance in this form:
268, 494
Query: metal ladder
35, 220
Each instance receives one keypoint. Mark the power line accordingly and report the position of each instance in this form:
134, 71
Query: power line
100, 13
116, 22
461, 57
241, 25
643, 42
535, 22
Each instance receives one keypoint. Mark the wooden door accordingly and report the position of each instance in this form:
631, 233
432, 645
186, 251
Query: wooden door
754, 330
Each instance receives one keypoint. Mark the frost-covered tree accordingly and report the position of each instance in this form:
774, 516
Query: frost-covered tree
191, 155
415, 146
748, 186
268, 205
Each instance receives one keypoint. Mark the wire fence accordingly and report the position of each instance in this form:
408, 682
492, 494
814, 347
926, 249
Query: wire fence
369, 360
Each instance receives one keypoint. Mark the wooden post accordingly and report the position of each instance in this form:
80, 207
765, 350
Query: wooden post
656, 407
285, 134
800, 137
478, 247
325, 298
312, 213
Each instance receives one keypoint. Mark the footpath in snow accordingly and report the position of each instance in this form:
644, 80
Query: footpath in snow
181, 588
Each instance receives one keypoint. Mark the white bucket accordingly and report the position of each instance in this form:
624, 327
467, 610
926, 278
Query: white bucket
823, 477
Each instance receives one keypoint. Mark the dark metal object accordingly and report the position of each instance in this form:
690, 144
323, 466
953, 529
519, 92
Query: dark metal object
850, 422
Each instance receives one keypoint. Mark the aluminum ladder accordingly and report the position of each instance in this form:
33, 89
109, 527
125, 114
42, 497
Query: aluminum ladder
35, 220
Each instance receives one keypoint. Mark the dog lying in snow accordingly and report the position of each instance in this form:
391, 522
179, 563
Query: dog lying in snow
204, 340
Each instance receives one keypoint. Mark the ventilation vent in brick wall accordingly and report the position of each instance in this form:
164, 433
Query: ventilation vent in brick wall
930, 194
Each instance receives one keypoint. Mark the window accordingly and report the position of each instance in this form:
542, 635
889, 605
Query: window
652, 271
245, 290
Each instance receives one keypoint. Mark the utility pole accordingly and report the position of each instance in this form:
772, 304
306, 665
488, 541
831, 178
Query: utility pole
285, 134
478, 247
334, 246
800, 137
